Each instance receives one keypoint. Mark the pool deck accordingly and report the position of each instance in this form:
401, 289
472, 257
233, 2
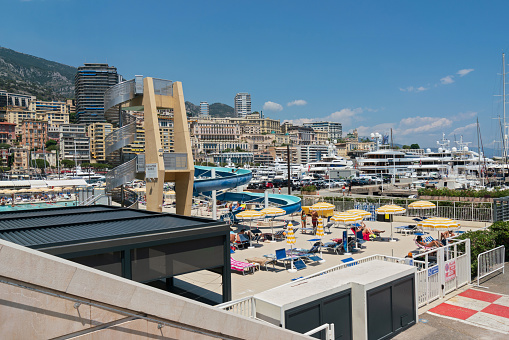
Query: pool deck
261, 280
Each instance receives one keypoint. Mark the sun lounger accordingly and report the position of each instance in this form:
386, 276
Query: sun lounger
299, 264
243, 266
350, 261
328, 226
279, 235
261, 261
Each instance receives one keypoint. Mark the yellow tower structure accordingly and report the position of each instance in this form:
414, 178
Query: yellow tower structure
152, 95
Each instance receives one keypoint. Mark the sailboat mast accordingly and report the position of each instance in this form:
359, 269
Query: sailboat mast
503, 105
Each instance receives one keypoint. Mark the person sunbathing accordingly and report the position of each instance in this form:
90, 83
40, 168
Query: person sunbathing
367, 230
432, 244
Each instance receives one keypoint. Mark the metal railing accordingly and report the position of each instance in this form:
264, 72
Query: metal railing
119, 138
329, 331
490, 261
466, 211
91, 200
119, 93
121, 174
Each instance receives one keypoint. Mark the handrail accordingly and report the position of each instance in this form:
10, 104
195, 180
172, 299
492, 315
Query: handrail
119, 138
121, 174
493, 260
329, 331
91, 200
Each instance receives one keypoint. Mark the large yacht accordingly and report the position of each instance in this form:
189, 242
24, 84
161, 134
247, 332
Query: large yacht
328, 162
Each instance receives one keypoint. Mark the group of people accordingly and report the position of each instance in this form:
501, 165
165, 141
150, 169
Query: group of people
435, 243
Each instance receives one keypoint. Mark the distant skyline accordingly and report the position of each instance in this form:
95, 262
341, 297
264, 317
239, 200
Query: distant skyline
421, 68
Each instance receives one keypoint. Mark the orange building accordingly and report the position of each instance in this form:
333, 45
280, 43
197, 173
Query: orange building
34, 133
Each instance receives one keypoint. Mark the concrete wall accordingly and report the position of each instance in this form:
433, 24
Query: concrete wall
48, 309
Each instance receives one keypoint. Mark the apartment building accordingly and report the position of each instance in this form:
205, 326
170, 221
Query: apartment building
20, 158
7, 132
16, 115
34, 133
13, 101
204, 109
242, 104
55, 113
97, 132
334, 130
74, 143
90, 83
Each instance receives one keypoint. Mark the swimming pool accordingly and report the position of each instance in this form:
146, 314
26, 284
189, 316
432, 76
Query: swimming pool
41, 205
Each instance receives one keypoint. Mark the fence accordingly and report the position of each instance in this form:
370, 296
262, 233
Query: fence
329, 331
450, 271
466, 211
490, 261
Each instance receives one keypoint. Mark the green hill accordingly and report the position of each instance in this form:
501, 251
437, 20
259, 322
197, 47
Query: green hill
221, 110
24, 73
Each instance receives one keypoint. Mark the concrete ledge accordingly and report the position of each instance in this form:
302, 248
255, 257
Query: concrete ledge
52, 273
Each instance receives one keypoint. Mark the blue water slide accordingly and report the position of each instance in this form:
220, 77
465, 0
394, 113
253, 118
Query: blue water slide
228, 178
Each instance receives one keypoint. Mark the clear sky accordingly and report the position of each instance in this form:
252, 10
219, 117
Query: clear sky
420, 67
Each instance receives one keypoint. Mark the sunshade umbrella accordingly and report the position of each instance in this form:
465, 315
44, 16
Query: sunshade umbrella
56, 189
322, 207
360, 212
421, 205
139, 189
23, 190
273, 212
346, 218
320, 234
249, 215
390, 209
438, 224
290, 239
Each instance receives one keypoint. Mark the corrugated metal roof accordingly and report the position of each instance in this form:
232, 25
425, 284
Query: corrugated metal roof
53, 211
67, 218
48, 228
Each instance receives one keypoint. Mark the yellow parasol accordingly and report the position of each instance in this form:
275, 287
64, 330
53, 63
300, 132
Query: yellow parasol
362, 213
290, 239
390, 209
273, 212
249, 215
421, 205
320, 233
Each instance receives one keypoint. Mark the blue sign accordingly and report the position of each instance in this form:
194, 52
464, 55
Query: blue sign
432, 271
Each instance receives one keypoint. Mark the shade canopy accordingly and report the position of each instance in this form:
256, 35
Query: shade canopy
422, 205
438, 224
322, 206
249, 215
362, 213
273, 212
346, 218
390, 209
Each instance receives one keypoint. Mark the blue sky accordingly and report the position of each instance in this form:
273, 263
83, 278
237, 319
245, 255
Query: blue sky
420, 67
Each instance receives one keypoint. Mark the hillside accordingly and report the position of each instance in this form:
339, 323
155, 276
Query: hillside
221, 110
23, 73
216, 110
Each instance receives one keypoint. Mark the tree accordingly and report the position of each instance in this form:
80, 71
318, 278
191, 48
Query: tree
4, 146
67, 163
41, 163
414, 146
51, 142
406, 147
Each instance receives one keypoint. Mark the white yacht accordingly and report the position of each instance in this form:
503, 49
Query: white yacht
328, 162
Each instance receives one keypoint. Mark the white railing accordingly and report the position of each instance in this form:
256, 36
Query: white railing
91, 200
329, 331
244, 306
490, 261
451, 271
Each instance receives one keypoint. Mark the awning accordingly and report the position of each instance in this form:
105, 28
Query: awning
66, 182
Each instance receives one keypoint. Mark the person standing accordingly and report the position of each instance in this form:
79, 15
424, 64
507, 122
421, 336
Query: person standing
279, 190
314, 219
303, 219
343, 189
349, 188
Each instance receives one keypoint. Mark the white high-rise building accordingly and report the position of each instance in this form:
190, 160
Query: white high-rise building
242, 105
204, 109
